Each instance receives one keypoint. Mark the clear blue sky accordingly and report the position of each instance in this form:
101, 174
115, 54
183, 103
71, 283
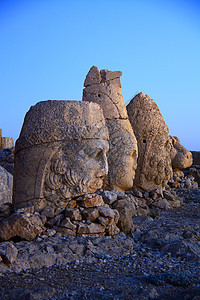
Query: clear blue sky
48, 46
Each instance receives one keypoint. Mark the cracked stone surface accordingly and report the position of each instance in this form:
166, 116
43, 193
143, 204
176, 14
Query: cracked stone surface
104, 87
154, 146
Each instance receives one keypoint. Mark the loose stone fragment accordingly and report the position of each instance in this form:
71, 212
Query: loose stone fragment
10, 254
106, 212
73, 214
68, 224
91, 214
126, 212
90, 228
21, 225
92, 200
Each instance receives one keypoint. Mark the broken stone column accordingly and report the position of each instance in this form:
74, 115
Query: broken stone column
154, 161
60, 154
104, 88
5, 142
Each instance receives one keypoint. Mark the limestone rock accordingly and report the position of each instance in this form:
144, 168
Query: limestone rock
196, 157
162, 204
122, 156
10, 253
106, 212
68, 224
107, 93
181, 157
126, 212
90, 228
91, 214
73, 214
21, 225
60, 154
109, 196
6, 184
154, 162
7, 159
91, 200
93, 77
196, 173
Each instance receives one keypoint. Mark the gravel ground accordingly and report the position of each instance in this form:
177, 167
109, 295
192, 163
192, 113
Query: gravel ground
162, 263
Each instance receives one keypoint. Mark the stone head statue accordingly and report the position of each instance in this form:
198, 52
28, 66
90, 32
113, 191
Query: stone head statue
122, 156
154, 160
104, 87
181, 157
60, 153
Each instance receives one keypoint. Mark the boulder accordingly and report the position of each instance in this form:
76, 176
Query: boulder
6, 185
126, 211
25, 226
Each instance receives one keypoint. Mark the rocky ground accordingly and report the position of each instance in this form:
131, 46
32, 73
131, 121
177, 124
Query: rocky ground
160, 260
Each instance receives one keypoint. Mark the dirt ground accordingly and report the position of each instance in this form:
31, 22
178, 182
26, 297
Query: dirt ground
163, 263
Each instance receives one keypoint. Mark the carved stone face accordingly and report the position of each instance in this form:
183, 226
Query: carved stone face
122, 155
155, 163
123, 169
61, 153
77, 167
181, 157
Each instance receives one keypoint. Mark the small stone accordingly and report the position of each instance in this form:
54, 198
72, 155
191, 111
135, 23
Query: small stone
168, 195
174, 203
188, 183
103, 221
116, 216
163, 204
146, 195
10, 254
50, 232
176, 185
73, 214
91, 200
106, 212
109, 197
68, 224
63, 231
48, 212
112, 229
71, 204
92, 228
90, 214
138, 194
56, 220
153, 294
